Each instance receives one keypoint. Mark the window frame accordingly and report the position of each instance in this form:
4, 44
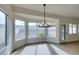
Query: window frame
24, 30
35, 33
6, 16
51, 28
78, 28
72, 29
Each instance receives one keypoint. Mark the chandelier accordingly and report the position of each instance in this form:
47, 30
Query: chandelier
45, 24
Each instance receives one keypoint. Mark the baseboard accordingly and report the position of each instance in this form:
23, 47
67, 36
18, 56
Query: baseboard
69, 42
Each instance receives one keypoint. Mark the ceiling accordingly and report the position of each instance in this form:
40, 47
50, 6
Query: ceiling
68, 10
34, 17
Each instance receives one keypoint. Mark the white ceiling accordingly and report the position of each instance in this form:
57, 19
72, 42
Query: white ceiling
68, 10
34, 16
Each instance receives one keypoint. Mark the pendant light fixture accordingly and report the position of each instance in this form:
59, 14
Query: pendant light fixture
45, 24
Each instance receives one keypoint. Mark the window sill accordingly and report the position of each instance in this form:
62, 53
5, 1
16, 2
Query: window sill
3, 48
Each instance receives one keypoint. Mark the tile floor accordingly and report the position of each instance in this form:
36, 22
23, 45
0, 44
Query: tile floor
49, 49
38, 49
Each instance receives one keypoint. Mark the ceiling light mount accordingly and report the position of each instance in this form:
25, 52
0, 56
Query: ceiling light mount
44, 4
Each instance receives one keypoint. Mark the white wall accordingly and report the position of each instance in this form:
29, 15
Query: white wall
22, 42
7, 9
59, 22
21, 13
19, 43
55, 40
11, 31
35, 40
66, 21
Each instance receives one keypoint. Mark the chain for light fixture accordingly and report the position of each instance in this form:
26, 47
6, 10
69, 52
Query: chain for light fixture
45, 25
44, 13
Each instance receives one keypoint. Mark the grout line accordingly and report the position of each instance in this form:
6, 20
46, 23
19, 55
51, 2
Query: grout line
59, 51
52, 51
36, 50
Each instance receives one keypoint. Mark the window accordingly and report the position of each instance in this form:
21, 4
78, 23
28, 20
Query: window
52, 32
72, 28
32, 30
78, 28
3, 29
41, 32
19, 30
63, 32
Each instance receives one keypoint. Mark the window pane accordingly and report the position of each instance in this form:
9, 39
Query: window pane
70, 28
32, 30
19, 30
63, 32
52, 32
2, 29
41, 32
78, 28
74, 28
